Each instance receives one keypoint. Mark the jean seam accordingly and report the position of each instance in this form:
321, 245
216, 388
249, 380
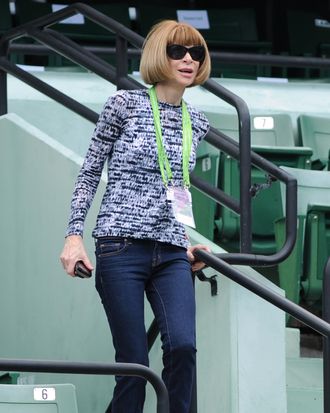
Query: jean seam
168, 331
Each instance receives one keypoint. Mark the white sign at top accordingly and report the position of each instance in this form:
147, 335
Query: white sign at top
197, 18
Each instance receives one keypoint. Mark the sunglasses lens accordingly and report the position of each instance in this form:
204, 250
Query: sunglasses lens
197, 53
176, 51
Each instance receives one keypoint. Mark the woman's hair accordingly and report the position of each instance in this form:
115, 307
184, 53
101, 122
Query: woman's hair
155, 67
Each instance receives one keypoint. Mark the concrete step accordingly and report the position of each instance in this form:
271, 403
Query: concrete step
304, 385
305, 401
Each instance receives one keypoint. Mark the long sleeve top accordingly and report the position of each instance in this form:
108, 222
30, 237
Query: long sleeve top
134, 204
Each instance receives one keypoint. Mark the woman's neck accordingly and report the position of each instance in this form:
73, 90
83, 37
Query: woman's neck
168, 94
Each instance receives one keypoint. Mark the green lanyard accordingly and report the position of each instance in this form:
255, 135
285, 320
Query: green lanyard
164, 164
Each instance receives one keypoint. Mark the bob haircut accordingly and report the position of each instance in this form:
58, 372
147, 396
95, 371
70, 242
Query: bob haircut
154, 65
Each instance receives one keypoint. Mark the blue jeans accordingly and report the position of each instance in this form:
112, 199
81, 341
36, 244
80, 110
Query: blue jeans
126, 269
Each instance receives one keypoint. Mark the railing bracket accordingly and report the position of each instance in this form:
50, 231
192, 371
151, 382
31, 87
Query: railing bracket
212, 280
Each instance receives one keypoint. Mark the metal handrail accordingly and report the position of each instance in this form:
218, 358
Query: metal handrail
318, 324
224, 57
122, 369
232, 148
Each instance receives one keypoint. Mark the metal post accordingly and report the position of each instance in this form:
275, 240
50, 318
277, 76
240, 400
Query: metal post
3, 81
3, 92
326, 339
121, 60
245, 181
193, 403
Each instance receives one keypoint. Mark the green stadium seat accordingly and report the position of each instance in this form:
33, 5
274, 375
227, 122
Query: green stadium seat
58, 398
269, 134
266, 129
313, 188
204, 208
315, 133
8, 378
316, 251
301, 274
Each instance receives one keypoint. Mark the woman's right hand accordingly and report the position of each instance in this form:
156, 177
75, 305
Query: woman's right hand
74, 251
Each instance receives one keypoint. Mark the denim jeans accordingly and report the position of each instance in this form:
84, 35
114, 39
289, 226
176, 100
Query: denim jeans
126, 269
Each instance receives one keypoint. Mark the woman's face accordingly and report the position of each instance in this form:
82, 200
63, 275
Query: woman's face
184, 70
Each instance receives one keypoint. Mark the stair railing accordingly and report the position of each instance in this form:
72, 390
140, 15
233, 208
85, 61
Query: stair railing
322, 326
122, 369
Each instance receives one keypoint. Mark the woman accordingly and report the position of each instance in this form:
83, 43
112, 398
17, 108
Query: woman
149, 139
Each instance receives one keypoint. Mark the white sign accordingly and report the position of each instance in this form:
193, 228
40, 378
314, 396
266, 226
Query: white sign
322, 23
197, 18
206, 164
76, 19
263, 122
44, 394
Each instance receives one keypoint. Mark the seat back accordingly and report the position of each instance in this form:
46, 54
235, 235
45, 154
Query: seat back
315, 133
204, 208
58, 398
313, 188
266, 129
316, 251
301, 273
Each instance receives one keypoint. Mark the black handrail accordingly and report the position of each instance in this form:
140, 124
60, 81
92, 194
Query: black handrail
244, 159
232, 148
70, 49
122, 369
224, 57
301, 314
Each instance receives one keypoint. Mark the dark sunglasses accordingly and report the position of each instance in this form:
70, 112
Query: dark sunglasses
177, 52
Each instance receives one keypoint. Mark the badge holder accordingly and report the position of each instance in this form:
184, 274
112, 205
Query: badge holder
180, 199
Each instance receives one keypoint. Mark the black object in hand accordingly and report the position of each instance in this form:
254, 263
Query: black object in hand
80, 270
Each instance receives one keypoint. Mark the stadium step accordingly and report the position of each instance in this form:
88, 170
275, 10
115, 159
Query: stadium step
304, 378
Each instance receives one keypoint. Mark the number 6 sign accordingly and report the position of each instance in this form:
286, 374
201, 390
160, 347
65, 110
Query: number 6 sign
44, 394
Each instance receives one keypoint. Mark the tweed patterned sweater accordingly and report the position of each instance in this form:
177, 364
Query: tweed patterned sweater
134, 204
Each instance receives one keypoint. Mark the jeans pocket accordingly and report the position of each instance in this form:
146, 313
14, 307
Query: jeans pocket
109, 247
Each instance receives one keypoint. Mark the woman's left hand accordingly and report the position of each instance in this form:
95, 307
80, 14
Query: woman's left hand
196, 265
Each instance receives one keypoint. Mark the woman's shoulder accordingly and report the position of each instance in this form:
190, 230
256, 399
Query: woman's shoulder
128, 96
123, 101
197, 114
